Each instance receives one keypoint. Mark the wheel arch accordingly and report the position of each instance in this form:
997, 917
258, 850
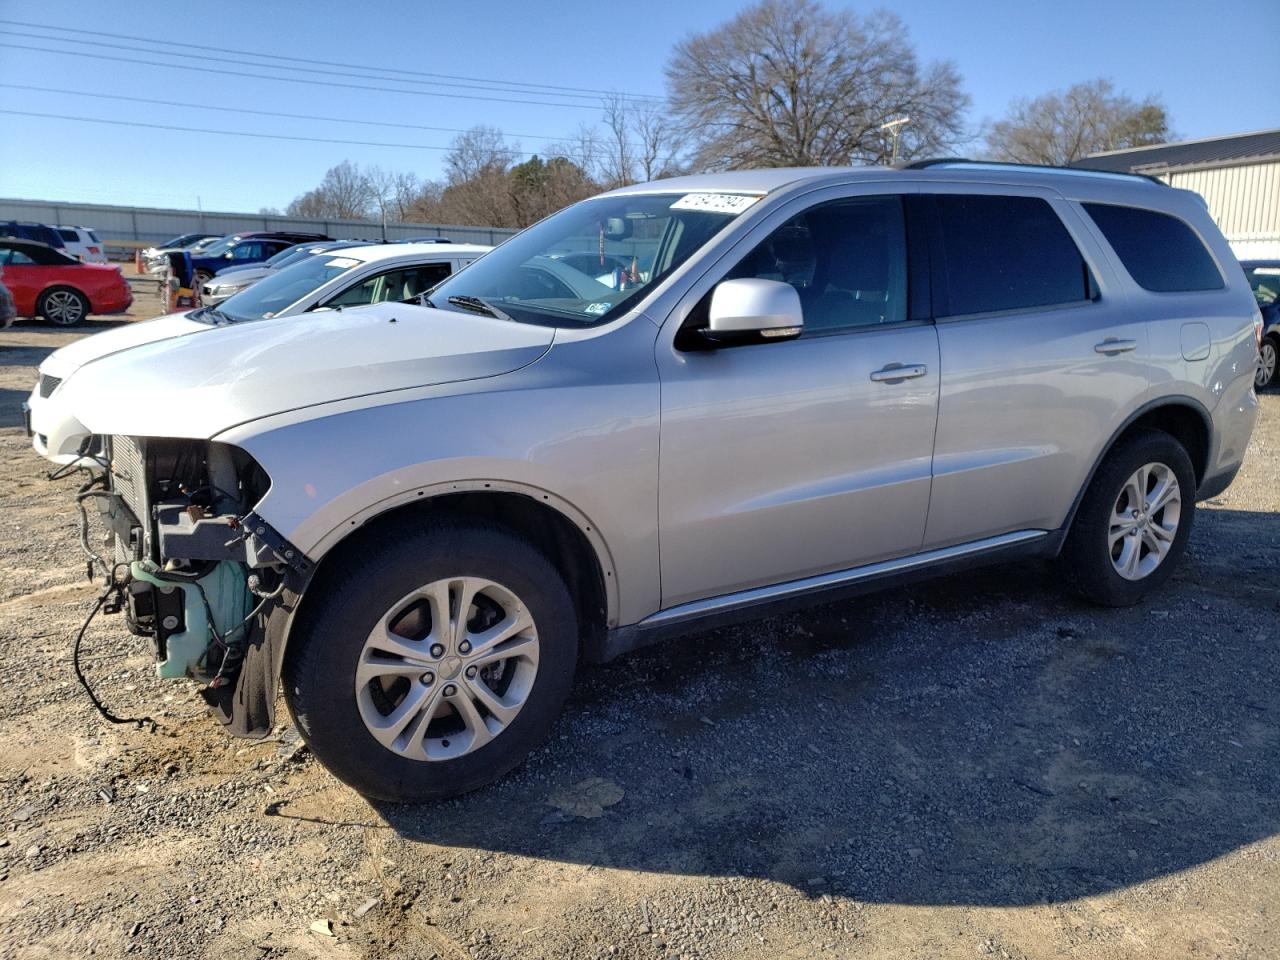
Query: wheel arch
53, 285
1184, 418
569, 539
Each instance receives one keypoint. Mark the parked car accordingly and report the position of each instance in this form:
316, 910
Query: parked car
242, 249
352, 277
83, 244
425, 240
27, 230
1264, 280
156, 259
422, 518
229, 281
47, 283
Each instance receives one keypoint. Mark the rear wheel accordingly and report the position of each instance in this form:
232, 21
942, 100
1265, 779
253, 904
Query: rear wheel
1268, 354
1133, 523
433, 665
63, 306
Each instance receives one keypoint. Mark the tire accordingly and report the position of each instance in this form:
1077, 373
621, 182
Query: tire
337, 628
63, 306
1268, 363
1102, 544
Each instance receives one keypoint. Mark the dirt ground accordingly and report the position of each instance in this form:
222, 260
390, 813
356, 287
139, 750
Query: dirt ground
978, 766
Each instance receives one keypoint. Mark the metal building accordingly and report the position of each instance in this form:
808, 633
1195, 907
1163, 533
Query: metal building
1238, 176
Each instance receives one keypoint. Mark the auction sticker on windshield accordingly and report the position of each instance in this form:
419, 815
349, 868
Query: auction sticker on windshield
342, 262
714, 202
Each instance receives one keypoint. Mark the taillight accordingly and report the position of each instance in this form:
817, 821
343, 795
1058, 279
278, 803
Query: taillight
1257, 327
93, 249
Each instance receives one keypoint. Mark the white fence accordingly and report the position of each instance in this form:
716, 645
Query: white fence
126, 228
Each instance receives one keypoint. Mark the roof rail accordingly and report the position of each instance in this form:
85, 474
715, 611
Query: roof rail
957, 161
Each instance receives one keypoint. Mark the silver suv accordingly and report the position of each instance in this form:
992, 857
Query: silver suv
677, 404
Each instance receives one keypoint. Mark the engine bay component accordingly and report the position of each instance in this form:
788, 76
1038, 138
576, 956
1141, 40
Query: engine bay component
191, 621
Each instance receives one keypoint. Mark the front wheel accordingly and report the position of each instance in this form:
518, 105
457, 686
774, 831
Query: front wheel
433, 665
1267, 359
1133, 523
63, 307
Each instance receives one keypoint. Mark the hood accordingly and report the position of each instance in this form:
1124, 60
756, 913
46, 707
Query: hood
67, 360
200, 386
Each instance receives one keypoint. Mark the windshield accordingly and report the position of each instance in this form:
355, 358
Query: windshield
286, 256
219, 247
588, 263
282, 289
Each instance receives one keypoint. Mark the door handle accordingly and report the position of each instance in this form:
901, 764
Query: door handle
897, 372
1111, 346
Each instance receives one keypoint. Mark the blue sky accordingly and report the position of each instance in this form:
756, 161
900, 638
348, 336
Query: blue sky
1205, 61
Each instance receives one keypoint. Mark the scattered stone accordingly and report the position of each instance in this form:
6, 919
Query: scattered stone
133, 930
322, 927
24, 812
33, 851
364, 908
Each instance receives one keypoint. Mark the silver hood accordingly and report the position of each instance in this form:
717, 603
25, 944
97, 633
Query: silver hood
200, 386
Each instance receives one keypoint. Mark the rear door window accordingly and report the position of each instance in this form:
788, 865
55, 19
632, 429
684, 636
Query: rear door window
1005, 253
1162, 253
69, 235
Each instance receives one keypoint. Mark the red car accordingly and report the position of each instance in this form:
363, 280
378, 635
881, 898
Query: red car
47, 283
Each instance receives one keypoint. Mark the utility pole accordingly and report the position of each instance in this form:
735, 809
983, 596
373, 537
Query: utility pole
895, 127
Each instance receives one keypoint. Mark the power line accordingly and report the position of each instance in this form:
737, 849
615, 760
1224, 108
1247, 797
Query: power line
328, 73
240, 133
270, 113
338, 63
323, 83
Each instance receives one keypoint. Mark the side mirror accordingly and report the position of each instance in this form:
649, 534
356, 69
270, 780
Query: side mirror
229, 255
753, 311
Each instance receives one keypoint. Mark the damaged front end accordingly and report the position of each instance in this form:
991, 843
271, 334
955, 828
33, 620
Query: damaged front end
193, 568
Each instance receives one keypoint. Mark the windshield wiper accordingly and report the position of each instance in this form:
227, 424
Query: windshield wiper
480, 305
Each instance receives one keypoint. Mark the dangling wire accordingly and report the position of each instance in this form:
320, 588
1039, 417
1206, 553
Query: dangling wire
114, 586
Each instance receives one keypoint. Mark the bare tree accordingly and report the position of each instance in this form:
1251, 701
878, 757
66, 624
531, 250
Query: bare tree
656, 144
476, 179
583, 147
788, 82
1066, 125
343, 194
617, 164
481, 150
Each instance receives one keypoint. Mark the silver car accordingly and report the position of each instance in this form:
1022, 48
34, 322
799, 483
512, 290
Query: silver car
678, 404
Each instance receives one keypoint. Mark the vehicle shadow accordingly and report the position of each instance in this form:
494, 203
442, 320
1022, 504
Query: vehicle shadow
983, 739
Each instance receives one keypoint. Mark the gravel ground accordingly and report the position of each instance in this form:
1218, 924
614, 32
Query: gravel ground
978, 766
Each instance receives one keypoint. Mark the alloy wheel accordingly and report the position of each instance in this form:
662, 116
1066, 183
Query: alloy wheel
1144, 521
1266, 364
64, 308
447, 669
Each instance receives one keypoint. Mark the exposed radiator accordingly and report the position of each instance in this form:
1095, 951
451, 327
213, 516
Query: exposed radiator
128, 475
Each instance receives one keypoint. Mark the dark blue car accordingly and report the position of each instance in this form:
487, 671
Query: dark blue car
241, 249
1264, 278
